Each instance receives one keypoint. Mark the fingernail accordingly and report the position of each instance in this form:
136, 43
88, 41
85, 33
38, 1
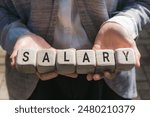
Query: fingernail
96, 46
108, 75
97, 77
89, 77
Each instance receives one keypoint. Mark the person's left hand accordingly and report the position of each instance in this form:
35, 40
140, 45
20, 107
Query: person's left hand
113, 36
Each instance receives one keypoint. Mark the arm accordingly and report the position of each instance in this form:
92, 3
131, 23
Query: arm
15, 35
11, 27
133, 16
121, 30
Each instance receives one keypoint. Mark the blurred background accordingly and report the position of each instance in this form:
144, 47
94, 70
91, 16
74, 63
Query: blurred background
143, 73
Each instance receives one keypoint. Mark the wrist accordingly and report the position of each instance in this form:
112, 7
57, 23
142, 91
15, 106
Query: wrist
115, 28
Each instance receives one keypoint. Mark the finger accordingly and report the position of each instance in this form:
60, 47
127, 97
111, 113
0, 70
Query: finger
13, 58
96, 46
97, 43
97, 77
136, 52
89, 77
108, 75
137, 57
72, 75
47, 76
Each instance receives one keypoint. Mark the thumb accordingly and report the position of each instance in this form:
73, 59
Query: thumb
96, 46
97, 43
137, 57
13, 58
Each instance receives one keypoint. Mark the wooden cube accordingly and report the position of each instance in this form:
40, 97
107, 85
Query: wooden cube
85, 61
26, 60
46, 60
66, 61
125, 59
105, 60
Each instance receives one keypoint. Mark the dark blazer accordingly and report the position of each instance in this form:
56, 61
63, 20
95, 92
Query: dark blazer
18, 17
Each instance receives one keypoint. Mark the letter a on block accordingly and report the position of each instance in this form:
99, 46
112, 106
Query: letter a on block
46, 60
125, 59
26, 61
105, 60
85, 61
66, 61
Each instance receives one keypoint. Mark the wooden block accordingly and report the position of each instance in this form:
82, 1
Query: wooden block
125, 59
26, 61
85, 61
105, 60
46, 60
66, 61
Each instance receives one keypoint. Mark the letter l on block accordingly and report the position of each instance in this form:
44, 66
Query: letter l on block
66, 61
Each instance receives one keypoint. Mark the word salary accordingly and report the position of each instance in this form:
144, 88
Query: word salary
67, 61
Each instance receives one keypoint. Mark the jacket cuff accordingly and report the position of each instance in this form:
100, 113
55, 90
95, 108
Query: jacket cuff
128, 23
11, 33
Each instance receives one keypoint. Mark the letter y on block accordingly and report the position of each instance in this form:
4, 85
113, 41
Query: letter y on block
125, 59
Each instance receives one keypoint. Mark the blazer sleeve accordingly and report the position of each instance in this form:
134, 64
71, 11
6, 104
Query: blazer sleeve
11, 27
134, 15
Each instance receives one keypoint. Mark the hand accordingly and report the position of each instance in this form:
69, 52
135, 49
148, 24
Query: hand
32, 41
113, 36
46, 76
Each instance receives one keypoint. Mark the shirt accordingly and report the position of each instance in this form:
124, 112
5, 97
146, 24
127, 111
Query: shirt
68, 29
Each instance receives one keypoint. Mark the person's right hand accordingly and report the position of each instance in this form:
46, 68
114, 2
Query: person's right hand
33, 41
29, 41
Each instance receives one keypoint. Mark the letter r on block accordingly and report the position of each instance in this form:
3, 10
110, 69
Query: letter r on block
105, 60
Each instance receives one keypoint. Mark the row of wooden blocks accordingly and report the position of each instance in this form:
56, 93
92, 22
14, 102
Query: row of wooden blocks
68, 61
